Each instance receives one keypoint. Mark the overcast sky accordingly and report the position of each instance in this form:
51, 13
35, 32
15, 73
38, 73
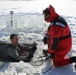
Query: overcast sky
63, 7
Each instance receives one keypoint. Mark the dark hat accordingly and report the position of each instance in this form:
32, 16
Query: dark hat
46, 11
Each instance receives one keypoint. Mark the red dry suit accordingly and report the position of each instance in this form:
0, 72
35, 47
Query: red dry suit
60, 40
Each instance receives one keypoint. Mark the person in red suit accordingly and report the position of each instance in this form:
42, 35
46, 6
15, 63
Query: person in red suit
58, 38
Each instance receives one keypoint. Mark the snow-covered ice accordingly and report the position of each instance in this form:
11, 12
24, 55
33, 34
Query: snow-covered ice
32, 27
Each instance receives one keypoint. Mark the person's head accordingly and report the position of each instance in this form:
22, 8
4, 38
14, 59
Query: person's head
49, 14
46, 13
14, 39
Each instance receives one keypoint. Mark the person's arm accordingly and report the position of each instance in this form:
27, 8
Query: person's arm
55, 32
21, 47
25, 48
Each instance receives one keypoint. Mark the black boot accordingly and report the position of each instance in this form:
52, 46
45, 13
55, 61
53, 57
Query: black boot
75, 65
73, 59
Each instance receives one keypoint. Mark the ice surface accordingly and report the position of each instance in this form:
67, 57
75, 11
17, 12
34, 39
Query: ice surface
32, 27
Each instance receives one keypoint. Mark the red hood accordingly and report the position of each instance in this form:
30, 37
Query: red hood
53, 14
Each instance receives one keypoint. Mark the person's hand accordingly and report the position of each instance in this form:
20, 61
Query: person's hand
52, 55
45, 40
34, 47
45, 52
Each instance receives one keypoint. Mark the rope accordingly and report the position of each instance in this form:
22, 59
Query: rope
48, 69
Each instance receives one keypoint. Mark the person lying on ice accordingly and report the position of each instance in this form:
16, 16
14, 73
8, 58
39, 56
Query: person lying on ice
58, 38
20, 49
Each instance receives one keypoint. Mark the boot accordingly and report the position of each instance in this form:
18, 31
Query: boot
75, 65
73, 60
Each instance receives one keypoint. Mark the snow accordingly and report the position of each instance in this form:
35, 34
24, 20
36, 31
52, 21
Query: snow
32, 27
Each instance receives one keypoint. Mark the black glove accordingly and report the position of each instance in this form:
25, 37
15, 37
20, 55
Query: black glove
30, 55
52, 55
34, 47
45, 52
49, 56
45, 40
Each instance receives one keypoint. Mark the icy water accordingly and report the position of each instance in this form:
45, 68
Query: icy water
30, 27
